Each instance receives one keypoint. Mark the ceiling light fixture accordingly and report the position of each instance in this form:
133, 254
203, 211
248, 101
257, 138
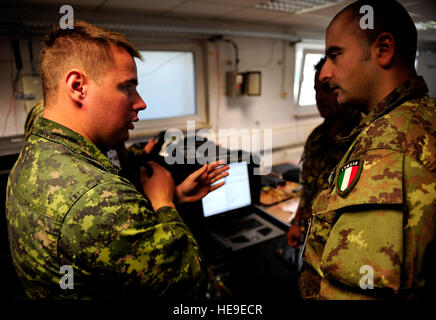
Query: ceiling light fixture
296, 6
428, 25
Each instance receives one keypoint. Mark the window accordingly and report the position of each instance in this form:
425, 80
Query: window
307, 56
171, 82
166, 82
307, 95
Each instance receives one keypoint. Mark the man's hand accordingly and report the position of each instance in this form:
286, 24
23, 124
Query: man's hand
159, 187
148, 148
294, 232
294, 235
199, 183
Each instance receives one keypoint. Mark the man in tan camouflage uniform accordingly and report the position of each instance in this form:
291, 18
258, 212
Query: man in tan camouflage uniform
373, 230
66, 205
324, 147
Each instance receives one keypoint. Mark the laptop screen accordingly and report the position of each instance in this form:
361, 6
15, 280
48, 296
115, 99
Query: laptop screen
234, 194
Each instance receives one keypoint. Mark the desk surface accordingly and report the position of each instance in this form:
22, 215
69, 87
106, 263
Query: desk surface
280, 202
283, 211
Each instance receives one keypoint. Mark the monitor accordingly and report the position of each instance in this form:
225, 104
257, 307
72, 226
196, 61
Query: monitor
234, 194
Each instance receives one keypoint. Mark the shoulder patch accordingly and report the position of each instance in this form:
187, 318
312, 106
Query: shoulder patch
348, 176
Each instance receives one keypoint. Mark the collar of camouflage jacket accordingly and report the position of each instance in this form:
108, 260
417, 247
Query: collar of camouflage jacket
345, 135
75, 142
409, 89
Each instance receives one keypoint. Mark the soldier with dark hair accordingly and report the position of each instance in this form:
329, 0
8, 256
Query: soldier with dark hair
66, 203
324, 147
373, 228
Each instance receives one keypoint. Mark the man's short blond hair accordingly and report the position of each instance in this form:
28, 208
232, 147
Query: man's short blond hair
86, 46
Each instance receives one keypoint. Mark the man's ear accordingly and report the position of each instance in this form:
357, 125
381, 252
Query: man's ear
75, 82
385, 49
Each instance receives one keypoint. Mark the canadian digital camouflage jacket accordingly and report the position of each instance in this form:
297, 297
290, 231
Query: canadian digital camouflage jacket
320, 156
67, 205
379, 230
129, 160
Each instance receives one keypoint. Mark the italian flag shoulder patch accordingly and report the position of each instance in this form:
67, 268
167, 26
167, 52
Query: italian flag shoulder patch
348, 176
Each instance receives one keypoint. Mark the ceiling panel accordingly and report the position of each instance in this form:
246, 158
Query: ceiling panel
58, 3
197, 8
302, 20
142, 5
330, 11
421, 11
251, 14
244, 3
231, 10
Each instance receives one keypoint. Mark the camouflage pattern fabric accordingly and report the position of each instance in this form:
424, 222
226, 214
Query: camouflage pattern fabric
387, 220
35, 112
320, 156
129, 160
67, 205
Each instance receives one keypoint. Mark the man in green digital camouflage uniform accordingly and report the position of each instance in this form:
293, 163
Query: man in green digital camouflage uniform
373, 230
34, 113
129, 160
67, 207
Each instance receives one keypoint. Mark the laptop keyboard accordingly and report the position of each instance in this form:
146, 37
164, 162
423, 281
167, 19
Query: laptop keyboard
233, 229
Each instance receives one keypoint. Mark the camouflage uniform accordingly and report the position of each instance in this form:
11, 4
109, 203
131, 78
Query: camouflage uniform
320, 156
67, 205
129, 160
35, 112
387, 220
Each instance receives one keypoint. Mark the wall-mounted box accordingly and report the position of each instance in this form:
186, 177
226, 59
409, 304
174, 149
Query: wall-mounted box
252, 83
234, 84
243, 84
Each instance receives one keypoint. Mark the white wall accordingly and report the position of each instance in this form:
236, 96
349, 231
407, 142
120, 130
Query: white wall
274, 109
427, 69
269, 111
6, 77
17, 113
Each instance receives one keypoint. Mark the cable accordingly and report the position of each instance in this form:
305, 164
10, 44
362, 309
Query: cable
235, 47
15, 108
161, 65
32, 65
218, 85
217, 39
269, 59
5, 125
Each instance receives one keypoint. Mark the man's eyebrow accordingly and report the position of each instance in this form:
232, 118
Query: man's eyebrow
332, 49
133, 81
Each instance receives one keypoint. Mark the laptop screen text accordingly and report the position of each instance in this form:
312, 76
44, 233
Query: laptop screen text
234, 194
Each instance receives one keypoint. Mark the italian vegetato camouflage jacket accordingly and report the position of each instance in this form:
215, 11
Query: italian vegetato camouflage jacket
67, 205
373, 230
320, 156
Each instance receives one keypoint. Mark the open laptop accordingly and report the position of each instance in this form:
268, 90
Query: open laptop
230, 214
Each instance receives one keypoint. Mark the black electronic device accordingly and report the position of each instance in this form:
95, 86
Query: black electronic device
230, 215
287, 171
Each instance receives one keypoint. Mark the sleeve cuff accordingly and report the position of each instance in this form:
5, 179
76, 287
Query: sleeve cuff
168, 214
